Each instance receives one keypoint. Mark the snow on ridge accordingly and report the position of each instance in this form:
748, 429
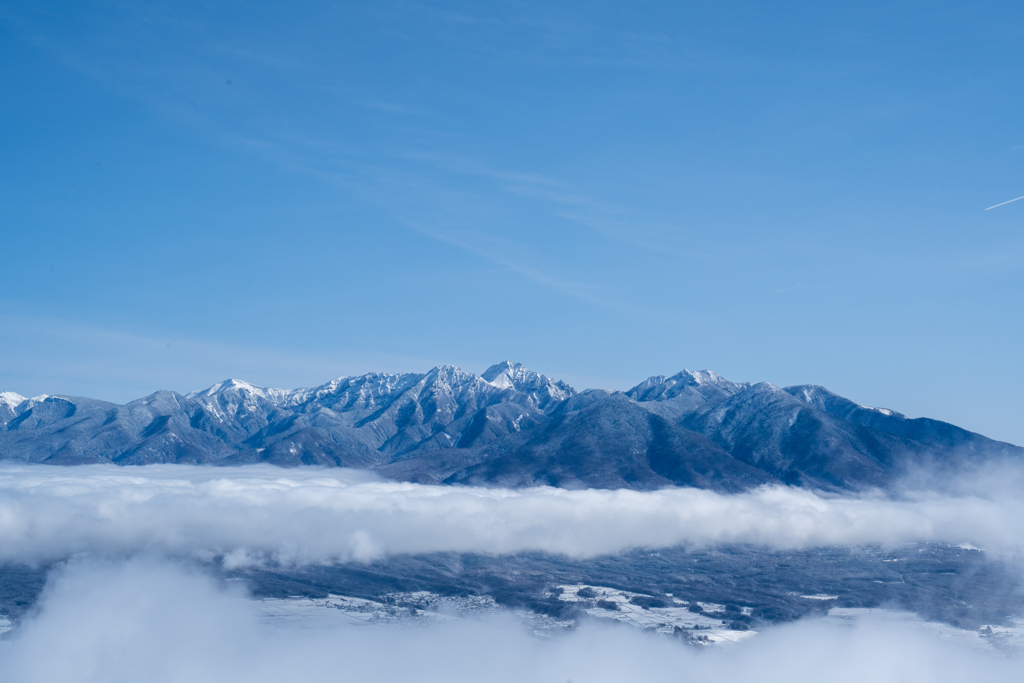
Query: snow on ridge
650, 382
364, 384
816, 396
883, 411
11, 399
768, 387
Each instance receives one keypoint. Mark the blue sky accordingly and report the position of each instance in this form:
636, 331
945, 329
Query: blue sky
288, 192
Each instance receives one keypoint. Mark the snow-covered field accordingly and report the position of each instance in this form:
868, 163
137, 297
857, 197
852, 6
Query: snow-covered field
707, 626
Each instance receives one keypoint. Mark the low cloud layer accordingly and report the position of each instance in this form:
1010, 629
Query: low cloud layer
146, 620
250, 514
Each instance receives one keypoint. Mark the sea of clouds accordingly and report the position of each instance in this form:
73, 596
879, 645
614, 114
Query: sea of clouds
248, 515
131, 605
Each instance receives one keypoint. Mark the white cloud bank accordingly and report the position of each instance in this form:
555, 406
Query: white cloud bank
154, 621
248, 514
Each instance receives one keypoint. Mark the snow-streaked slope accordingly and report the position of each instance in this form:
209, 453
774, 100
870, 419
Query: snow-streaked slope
684, 392
13, 404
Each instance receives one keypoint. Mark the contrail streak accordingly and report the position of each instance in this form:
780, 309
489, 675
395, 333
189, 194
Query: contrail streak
1009, 202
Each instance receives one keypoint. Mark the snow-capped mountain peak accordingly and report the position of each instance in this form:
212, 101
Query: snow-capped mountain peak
13, 404
688, 384
700, 378
508, 375
11, 399
504, 375
244, 390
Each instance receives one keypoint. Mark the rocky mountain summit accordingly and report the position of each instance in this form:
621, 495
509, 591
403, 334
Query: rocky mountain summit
507, 427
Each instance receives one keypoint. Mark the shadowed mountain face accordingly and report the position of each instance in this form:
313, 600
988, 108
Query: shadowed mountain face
508, 427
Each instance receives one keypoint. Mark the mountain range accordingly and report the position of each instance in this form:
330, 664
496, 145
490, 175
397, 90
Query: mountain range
507, 427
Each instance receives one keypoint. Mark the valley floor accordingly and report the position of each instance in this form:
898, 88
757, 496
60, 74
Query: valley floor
709, 596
